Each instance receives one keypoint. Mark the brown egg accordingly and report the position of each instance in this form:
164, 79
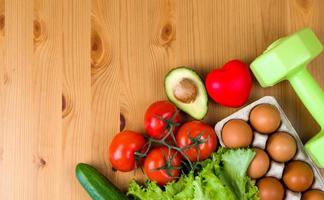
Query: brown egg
298, 176
259, 165
265, 118
237, 133
313, 195
270, 188
281, 147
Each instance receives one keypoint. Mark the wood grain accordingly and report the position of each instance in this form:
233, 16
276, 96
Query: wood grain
70, 69
20, 106
77, 138
47, 66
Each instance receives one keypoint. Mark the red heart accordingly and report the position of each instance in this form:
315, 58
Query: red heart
230, 85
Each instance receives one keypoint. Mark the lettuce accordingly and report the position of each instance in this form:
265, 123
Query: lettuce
223, 176
235, 165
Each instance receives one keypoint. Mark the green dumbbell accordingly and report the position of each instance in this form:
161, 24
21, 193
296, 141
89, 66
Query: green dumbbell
286, 59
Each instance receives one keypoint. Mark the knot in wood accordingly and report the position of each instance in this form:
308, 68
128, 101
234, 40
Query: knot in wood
39, 31
122, 122
2, 22
97, 50
167, 33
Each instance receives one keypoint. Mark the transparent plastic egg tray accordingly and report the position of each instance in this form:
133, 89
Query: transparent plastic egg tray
276, 169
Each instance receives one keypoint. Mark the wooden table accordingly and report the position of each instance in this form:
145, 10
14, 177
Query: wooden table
70, 68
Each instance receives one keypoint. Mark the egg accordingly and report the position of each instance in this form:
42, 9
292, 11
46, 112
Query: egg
270, 188
259, 165
298, 176
281, 147
313, 195
237, 133
265, 118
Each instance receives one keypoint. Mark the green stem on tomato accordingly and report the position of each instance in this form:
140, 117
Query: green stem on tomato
170, 126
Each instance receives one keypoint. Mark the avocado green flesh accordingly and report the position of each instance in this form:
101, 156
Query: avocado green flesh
198, 108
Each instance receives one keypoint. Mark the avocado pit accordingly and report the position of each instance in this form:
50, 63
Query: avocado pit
185, 91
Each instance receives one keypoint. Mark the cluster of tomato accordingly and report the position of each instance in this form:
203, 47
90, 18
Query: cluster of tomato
165, 147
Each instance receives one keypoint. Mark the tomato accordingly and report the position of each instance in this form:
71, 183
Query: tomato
191, 130
122, 150
159, 157
154, 125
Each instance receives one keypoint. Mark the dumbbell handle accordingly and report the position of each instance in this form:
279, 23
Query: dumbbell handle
309, 92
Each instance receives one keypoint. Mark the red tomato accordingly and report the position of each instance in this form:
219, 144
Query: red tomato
154, 125
122, 150
191, 130
157, 158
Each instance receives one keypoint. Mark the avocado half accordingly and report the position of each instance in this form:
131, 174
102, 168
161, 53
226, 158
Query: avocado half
186, 90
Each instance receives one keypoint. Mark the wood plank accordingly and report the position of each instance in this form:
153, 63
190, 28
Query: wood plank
77, 140
105, 84
48, 63
20, 105
2, 84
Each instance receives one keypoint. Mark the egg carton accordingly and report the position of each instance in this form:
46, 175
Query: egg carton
276, 169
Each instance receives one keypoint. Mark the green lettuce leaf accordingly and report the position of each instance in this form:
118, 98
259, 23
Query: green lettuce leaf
235, 165
223, 176
151, 191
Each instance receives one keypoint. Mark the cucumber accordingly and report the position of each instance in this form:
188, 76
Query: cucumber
96, 184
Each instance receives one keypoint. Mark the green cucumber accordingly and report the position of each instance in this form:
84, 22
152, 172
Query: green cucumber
96, 184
